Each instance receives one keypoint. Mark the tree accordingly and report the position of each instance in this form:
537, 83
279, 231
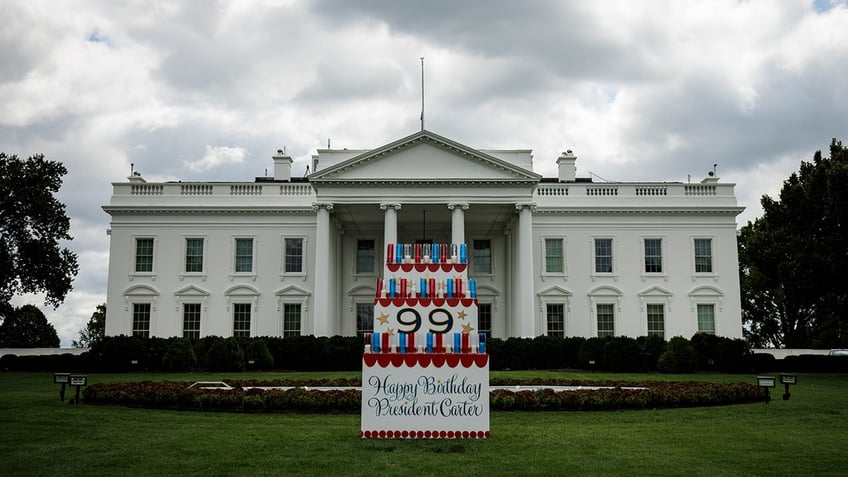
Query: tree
94, 330
793, 259
32, 222
27, 327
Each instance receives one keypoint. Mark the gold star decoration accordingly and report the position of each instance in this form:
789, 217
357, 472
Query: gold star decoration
391, 331
461, 315
383, 318
467, 328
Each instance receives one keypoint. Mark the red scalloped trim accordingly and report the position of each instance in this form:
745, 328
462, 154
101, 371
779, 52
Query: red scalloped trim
422, 267
424, 360
435, 434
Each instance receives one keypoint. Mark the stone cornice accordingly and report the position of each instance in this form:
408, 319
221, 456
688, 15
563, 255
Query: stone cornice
734, 211
165, 210
428, 182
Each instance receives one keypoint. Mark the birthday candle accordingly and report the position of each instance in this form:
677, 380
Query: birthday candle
465, 347
430, 343
463, 253
444, 252
390, 253
399, 253
482, 343
367, 337
418, 253
384, 345
431, 288
439, 345
392, 287
403, 288
379, 287
435, 252
402, 342
459, 288
422, 290
449, 288
457, 342
410, 342
472, 285
375, 343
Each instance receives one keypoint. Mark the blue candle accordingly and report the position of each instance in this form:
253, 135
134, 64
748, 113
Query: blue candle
422, 288
482, 343
392, 287
472, 287
449, 288
402, 342
435, 253
430, 343
463, 253
375, 343
457, 342
399, 253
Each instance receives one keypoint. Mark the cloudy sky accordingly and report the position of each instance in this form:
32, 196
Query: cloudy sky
199, 90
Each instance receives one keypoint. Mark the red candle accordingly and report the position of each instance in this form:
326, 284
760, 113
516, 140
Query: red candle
431, 284
403, 288
465, 347
458, 293
384, 346
439, 347
379, 287
418, 253
390, 253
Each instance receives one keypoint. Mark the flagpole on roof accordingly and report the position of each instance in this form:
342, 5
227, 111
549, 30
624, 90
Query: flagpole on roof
422, 93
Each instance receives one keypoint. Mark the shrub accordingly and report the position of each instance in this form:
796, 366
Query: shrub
733, 356
119, 354
679, 356
257, 356
621, 354
179, 356
225, 355
651, 348
706, 350
591, 353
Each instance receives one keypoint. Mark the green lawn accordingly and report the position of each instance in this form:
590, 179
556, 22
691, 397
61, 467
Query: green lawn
807, 435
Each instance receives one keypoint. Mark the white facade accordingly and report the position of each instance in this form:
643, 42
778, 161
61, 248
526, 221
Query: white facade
558, 256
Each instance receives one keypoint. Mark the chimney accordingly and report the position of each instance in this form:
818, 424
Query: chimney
282, 167
567, 169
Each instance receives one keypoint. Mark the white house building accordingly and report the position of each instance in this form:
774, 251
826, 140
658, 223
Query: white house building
560, 256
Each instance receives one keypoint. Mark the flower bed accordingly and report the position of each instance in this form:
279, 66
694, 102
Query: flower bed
299, 397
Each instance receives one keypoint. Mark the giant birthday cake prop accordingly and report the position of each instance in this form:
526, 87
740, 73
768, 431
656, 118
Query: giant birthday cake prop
425, 371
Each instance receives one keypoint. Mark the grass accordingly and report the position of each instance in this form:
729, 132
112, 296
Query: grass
807, 435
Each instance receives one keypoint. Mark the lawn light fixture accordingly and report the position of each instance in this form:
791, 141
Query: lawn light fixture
61, 378
786, 380
766, 382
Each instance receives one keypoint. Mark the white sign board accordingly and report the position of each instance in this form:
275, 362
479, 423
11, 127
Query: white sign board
426, 396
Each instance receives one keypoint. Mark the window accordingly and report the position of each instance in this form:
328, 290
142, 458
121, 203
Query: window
603, 255
481, 258
606, 319
656, 320
484, 318
294, 255
553, 256
244, 255
364, 318
556, 319
653, 256
291, 319
364, 256
241, 320
144, 255
706, 318
194, 255
141, 320
191, 320
703, 256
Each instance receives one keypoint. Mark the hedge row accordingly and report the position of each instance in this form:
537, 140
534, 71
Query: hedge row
618, 395
339, 353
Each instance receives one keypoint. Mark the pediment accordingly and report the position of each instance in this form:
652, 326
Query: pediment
141, 290
424, 157
554, 291
292, 290
655, 291
191, 290
706, 290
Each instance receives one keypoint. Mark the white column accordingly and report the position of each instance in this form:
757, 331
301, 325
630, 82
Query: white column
389, 223
525, 317
457, 222
321, 324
